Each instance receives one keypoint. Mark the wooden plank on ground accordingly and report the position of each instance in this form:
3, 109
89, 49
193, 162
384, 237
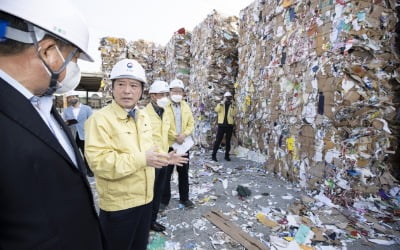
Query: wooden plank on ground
221, 221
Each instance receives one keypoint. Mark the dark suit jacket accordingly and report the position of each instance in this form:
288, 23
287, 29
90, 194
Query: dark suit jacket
45, 201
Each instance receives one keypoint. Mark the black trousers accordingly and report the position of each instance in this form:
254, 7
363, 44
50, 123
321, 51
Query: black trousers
183, 182
81, 146
80, 143
226, 130
127, 229
159, 183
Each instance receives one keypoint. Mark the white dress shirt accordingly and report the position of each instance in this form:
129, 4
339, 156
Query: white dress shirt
76, 111
178, 117
43, 107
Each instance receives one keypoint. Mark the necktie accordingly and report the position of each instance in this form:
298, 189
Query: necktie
43, 106
132, 113
160, 112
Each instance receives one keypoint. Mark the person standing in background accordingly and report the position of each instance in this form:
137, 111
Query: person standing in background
162, 129
226, 112
75, 116
183, 126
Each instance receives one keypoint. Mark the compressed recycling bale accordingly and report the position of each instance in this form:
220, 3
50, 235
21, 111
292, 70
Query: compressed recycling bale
178, 56
316, 85
213, 70
148, 54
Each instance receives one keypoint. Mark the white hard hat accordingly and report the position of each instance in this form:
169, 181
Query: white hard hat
128, 68
71, 93
58, 18
227, 93
176, 83
159, 87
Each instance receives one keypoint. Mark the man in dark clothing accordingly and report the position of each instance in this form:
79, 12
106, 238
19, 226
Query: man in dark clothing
226, 111
47, 201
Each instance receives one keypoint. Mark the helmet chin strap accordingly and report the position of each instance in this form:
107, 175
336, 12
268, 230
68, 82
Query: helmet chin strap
54, 75
141, 95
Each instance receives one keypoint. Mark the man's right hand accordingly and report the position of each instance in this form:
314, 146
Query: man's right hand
180, 139
155, 159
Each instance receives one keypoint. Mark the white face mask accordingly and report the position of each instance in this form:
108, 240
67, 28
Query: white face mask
176, 98
162, 102
72, 76
71, 79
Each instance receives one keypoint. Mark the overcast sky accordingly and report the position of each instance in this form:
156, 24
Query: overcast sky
151, 20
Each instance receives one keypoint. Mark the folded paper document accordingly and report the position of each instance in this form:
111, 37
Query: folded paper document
185, 146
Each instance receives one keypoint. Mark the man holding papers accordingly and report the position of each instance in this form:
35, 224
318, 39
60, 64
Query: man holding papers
75, 117
183, 122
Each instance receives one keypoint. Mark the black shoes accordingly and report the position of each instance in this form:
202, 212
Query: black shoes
188, 204
214, 158
157, 227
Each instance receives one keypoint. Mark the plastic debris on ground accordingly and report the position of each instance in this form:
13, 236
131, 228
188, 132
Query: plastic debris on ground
279, 214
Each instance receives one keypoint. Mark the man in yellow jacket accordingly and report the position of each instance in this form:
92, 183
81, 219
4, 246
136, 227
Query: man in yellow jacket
119, 149
226, 112
161, 125
183, 126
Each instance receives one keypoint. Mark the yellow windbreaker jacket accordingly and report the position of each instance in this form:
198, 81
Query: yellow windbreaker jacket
115, 147
187, 121
220, 109
161, 128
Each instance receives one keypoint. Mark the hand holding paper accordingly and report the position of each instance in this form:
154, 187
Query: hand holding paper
180, 139
184, 147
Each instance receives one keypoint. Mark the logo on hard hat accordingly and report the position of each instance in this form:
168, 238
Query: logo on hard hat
129, 65
59, 30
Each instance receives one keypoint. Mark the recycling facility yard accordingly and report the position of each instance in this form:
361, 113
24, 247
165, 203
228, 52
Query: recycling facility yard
316, 86
272, 215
